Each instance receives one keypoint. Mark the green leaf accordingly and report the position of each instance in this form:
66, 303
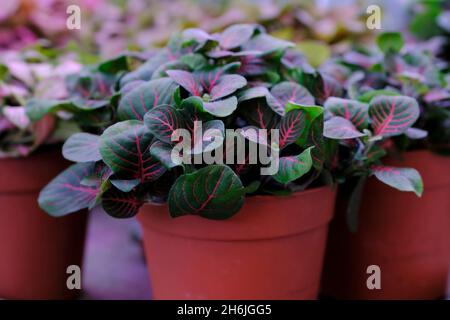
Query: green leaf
221, 108
403, 179
316, 52
114, 65
390, 42
82, 147
293, 167
369, 95
136, 103
311, 113
125, 146
213, 192
120, 204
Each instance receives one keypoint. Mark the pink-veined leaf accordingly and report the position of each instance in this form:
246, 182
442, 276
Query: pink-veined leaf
187, 80
403, 179
352, 110
65, 193
137, 102
162, 121
124, 147
120, 204
285, 92
227, 85
291, 127
393, 115
213, 192
341, 129
293, 167
258, 113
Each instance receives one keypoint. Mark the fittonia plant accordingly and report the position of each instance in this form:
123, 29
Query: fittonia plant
395, 70
25, 75
237, 79
241, 78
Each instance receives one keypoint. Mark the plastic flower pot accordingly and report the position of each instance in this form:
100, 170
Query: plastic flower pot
35, 249
406, 236
272, 249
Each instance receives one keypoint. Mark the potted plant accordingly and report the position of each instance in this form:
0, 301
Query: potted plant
233, 219
406, 236
36, 249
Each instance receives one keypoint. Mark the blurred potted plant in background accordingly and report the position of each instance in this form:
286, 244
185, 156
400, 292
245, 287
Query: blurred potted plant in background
35, 250
405, 235
237, 79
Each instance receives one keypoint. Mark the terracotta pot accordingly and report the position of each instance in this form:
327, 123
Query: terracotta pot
35, 249
406, 236
272, 249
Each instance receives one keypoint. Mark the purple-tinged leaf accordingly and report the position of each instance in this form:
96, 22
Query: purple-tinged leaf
162, 121
285, 92
82, 147
236, 35
213, 192
227, 85
341, 129
293, 167
393, 115
120, 204
135, 104
266, 44
196, 34
221, 108
65, 194
253, 93
291, 127
403, 179
415, 133
125, 149
187, 80
125, 185
354, 111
